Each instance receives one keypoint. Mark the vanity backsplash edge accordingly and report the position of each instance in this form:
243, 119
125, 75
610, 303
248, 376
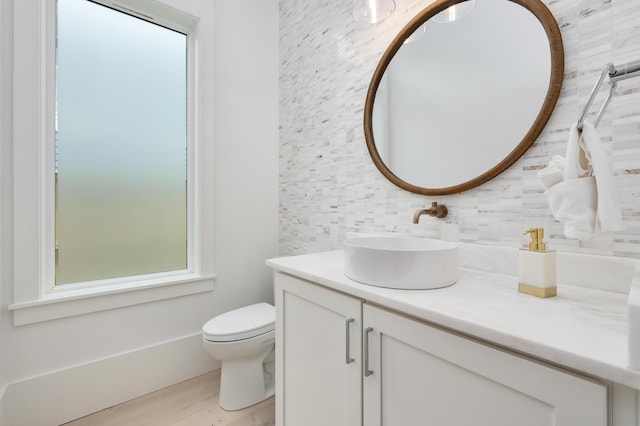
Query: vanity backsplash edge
608, 273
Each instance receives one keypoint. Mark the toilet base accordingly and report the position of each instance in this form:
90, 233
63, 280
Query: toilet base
244, 382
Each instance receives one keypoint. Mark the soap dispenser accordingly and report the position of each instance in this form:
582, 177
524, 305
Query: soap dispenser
537, 267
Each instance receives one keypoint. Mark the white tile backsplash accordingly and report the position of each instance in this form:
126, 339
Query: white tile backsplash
329, 185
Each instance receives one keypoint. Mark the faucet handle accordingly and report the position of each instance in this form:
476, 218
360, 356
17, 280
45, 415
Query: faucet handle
441, 210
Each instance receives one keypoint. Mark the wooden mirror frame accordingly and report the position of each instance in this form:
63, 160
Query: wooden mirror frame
544, 16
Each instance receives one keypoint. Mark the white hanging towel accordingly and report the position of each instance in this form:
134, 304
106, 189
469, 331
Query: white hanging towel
609, 214
553, 173
573, 202
577, 162
584, 200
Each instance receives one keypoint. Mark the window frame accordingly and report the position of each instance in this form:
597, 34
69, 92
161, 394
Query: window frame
36, 297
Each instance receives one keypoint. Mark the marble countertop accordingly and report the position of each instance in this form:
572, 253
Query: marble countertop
582, 329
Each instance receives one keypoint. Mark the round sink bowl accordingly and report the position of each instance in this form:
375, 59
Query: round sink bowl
402, 263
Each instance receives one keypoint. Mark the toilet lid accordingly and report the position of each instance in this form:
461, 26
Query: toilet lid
241, 323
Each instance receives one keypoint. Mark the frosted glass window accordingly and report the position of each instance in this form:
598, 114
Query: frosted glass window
121, 145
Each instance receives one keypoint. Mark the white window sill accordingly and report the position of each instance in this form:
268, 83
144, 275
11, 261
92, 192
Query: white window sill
87, 300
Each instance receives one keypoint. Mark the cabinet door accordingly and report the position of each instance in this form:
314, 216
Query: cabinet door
422, 375
318, 355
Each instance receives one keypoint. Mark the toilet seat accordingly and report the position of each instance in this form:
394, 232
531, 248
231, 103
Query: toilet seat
242, 323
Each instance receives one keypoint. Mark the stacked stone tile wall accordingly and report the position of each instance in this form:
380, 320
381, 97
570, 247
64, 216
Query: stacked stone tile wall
329, 185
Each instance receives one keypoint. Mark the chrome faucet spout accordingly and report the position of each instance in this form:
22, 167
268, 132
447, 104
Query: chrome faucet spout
435, 210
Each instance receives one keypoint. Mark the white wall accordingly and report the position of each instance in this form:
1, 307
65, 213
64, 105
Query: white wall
5, 185
246, 151
246, 233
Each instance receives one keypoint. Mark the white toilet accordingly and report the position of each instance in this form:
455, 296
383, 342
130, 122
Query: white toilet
244, 341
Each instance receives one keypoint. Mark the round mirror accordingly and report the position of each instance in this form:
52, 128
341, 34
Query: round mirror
455, 101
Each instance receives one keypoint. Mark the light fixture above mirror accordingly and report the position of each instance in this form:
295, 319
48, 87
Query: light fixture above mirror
372, 11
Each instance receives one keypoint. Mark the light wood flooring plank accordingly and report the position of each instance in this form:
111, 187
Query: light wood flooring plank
190, 403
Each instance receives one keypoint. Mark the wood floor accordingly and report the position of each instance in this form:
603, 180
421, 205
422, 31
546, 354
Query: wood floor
190, 403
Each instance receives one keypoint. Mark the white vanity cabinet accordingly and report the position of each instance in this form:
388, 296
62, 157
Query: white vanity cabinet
418, 372
342, 361
318, 355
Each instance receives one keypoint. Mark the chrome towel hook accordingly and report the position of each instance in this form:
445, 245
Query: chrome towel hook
622, 72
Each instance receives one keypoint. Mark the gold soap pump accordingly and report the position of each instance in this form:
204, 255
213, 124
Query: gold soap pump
537, 267
537, 237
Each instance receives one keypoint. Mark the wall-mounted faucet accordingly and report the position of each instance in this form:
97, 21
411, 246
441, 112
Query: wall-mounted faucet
436, 210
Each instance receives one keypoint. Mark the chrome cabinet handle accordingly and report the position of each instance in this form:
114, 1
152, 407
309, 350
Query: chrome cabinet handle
367, 371
347, 333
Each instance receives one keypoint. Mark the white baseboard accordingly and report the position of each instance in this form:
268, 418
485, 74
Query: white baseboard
65, 395
4, 420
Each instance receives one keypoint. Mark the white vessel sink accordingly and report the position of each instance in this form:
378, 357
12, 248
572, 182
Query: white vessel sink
402, 263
